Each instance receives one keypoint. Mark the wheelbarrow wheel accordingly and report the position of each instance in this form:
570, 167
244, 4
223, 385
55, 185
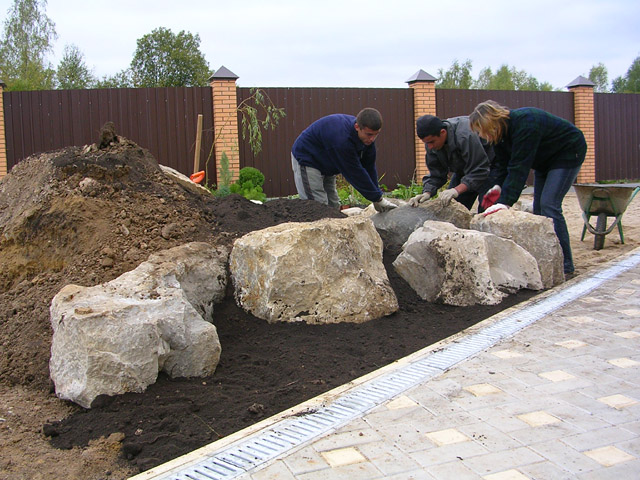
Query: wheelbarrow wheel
601, 227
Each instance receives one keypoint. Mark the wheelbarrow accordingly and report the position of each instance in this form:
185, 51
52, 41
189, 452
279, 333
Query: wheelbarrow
603, 201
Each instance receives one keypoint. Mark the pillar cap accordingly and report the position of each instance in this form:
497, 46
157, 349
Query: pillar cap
421, 76
223, 73
580, 82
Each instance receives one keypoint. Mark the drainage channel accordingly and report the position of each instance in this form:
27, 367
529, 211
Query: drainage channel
291, 432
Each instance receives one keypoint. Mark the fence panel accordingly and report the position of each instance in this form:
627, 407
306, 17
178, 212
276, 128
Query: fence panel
617, 132
454, 102
162, 120
303, 106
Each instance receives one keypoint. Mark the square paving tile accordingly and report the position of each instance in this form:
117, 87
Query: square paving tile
401, 402
618, 401
628, 334
447, 437
506, 354
609, 456
537, 419
343, 456
506, 475
581, 319
623, 362
557, 376
482, 389
571, 344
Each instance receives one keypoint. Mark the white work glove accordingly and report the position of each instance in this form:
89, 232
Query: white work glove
495, 208
446, 196
491, 197
384, 205
423, 197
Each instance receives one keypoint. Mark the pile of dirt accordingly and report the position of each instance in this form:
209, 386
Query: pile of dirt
87, 215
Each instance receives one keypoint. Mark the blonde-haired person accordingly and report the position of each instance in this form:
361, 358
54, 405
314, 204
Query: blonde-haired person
530, 138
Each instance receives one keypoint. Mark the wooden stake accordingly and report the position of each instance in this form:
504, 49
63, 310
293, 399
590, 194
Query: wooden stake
196, 158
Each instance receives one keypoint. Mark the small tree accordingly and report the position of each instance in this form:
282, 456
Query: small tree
72, 71
600, 77
257, 113
27, 40
458, 76
163, 59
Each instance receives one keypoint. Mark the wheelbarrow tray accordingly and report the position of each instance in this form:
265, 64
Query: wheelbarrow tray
611, 199
602, 201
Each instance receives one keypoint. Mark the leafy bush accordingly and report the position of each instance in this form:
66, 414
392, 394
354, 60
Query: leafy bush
249, 184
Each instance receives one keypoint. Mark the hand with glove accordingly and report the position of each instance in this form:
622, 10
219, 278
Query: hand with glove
495, 208
491, 196
418, 199
446, 196
384, 205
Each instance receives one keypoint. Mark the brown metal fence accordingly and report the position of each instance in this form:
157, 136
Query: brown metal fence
396, 159
162, 120
453, 102
617, 129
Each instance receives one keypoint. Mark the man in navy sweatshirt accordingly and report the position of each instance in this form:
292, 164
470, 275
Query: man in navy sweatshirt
339, 144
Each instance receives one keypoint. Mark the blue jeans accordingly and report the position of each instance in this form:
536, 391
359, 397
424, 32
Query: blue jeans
549, 189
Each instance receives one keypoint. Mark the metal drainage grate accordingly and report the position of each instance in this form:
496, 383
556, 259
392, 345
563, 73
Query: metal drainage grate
248, 453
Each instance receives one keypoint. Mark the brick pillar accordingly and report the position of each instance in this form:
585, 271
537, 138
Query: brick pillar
584, 119
225, 119
424, 103
4, 168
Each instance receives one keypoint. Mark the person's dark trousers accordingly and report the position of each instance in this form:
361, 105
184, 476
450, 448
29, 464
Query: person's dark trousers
549, 190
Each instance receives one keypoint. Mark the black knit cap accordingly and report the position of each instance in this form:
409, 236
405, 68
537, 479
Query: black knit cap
428, 125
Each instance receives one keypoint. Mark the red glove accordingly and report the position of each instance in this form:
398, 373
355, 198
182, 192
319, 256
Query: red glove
491, 196
494, 208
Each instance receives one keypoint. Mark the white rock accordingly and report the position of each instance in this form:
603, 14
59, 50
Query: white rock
327, 271
114, 338
534, 233
463, 267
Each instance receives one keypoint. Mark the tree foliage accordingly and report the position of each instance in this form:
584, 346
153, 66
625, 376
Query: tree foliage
26, 43
600, 77
72, 72
164, 59
505, 78
123, 79
508, 78
458, 76
630, 83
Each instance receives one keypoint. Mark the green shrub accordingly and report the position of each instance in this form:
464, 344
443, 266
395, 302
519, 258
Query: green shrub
249, 184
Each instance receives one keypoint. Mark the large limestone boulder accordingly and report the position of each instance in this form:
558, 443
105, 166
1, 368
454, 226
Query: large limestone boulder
396, 225
328, 271
443, 263
532, 232
114, 338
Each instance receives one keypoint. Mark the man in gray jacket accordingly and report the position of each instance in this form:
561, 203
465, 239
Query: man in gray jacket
453, 147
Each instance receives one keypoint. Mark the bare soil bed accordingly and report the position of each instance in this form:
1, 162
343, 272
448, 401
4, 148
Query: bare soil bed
57, 227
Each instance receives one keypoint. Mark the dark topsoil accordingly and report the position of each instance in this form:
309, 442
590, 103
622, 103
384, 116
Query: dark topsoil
57, 227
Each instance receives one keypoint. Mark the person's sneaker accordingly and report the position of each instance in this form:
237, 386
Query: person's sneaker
569, 275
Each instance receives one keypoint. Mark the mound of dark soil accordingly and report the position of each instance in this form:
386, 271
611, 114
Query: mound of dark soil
87, 215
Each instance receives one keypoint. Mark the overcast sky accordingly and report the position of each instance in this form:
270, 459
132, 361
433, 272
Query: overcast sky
346, 43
